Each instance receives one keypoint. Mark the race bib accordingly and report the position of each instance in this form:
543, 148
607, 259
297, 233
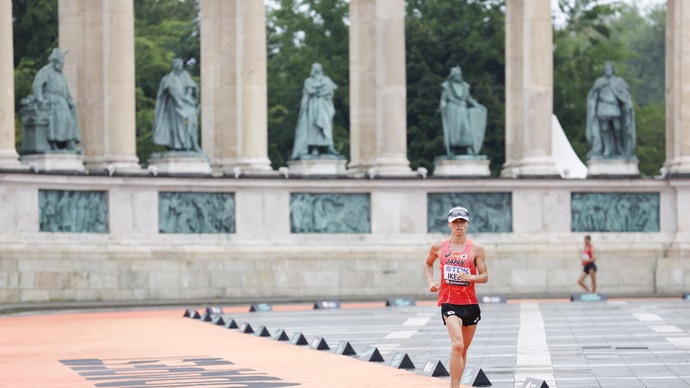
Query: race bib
585, 256
451, 275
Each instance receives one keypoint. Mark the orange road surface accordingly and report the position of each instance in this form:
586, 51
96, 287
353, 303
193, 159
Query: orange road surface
160, 348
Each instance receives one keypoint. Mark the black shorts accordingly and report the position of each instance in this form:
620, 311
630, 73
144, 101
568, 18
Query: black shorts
589, 266
470, 314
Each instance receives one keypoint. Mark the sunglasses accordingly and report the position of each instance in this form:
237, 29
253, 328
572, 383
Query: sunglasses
459, 213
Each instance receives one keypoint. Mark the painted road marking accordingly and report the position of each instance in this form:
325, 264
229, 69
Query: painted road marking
400, 334
416, 321
647, 317
180, 371
666, 328
533, 355
680, 342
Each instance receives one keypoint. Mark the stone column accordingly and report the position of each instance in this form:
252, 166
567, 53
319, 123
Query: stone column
529, 89
99, 67
378, 94
8, 153
677, 89
234, 100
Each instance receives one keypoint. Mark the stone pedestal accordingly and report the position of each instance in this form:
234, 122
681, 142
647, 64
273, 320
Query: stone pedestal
34, 132
9, 160
317, 167
677, 168
474, 166
179, 163
612, 168
53, 162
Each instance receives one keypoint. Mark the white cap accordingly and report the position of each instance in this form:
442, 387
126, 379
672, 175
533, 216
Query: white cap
458, 212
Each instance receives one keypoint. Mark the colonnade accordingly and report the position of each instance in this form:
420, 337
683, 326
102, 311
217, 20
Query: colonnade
100, 70
677, 88
8, 153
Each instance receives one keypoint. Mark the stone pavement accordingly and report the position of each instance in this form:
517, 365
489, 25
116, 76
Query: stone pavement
616, 343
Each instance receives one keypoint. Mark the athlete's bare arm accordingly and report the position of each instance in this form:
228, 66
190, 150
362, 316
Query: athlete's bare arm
482, 275
434, 252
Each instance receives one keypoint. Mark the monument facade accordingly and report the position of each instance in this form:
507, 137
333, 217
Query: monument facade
96, 237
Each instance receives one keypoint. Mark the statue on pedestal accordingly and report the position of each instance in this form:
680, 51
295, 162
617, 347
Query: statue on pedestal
610, 118
464, 119
176, 117
49, 115
314, 132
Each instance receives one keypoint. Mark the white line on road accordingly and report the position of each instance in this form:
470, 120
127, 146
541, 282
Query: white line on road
400, 334
647, 317
416, 321
532, 349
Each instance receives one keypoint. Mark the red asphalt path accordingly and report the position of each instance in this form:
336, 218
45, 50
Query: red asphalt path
159, 348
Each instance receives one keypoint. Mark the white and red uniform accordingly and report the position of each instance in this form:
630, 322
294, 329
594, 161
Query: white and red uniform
587, 255
454, 291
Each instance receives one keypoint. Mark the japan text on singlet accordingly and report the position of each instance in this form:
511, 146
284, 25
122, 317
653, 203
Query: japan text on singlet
452, 290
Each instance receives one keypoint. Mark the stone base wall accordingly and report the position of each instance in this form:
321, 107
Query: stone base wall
263, 260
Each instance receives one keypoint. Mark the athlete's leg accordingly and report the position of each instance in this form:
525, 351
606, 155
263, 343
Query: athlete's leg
593, 277
467, 336
581, 281
458, 351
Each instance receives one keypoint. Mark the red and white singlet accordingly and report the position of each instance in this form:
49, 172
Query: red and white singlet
586, 255
452, 290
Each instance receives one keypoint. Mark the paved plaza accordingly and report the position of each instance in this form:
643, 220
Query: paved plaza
619, 343
616, 343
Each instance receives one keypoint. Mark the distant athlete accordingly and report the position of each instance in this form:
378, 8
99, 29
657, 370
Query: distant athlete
462, 264
588, 266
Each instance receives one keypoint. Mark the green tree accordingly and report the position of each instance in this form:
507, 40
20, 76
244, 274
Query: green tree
164, 29
35, 34
594, 33
646, 36
299, 33
441, 34
646, 65
581, 47
651, 147
35, 30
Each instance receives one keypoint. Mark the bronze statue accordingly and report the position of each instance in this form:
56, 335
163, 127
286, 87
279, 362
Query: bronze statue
464, 119
176, 118
49, 115
314, 132
610, 117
